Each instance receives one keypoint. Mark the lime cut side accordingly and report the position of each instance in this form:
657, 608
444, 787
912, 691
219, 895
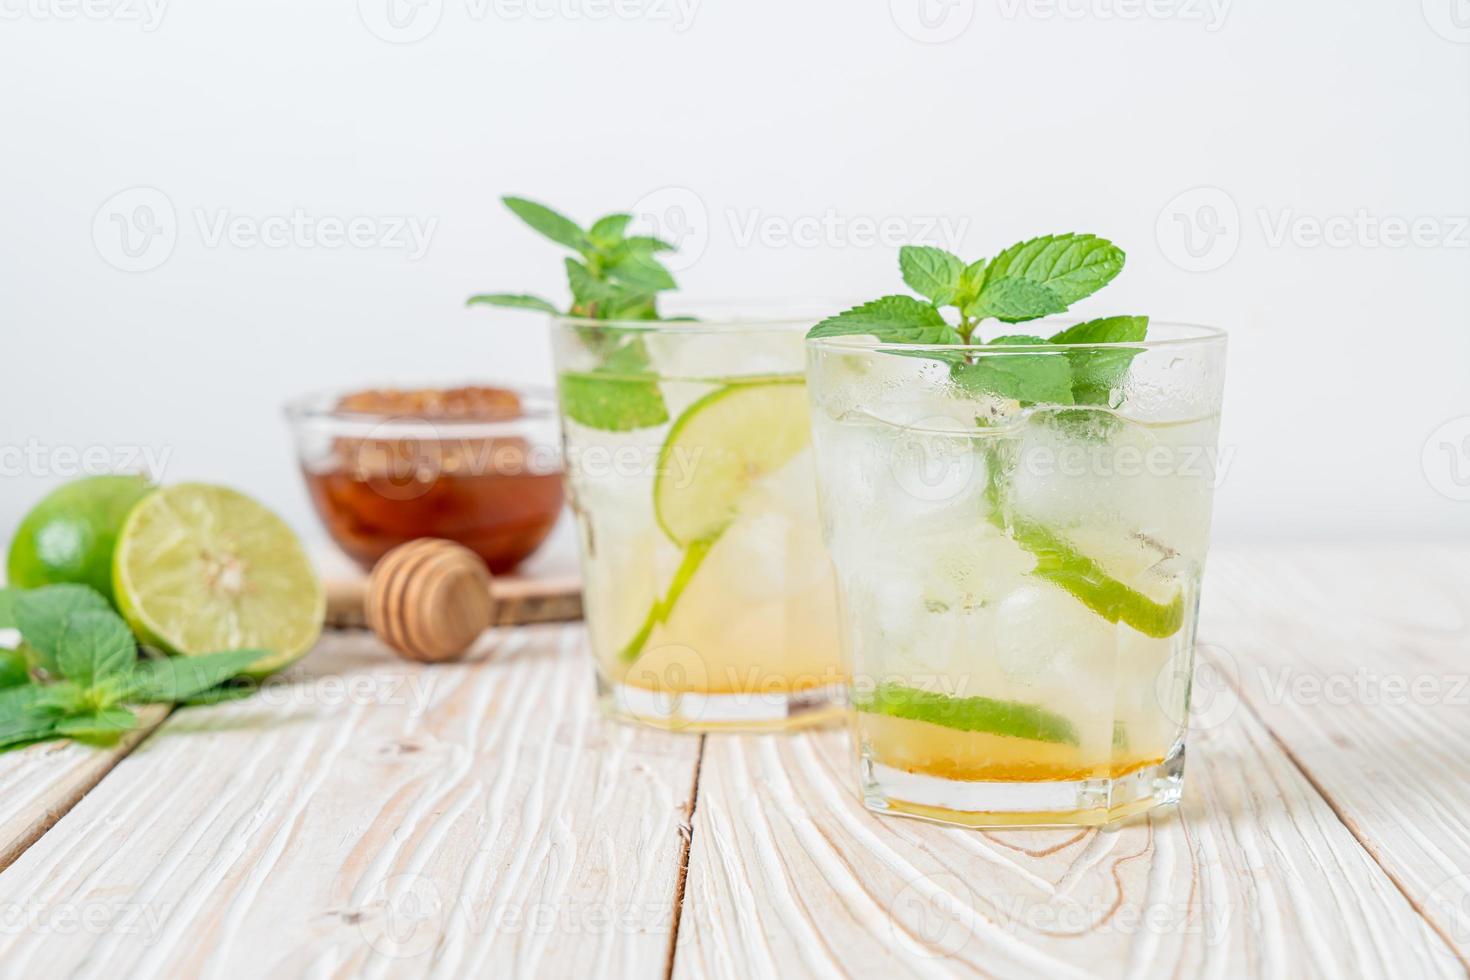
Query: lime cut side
719, 446
974, 714
201, 568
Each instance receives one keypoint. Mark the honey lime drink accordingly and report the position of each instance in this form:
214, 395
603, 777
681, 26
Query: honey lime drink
707, 589
1018, 529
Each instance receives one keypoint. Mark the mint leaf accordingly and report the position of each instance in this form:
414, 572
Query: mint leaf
1071, 266
649, 243
94, 646
596, 296
99, 725
1041, 378
180, 678
41, 615
636, 267
931, 272
15, 669
557, 227
221, 693
1014, 299
15, 732
972, 280
515, 301
609, 230
602, 400
7, 609
893, 320
1097, 374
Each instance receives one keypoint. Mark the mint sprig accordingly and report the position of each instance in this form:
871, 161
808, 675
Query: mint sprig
87, 669
1029, 280
611, 276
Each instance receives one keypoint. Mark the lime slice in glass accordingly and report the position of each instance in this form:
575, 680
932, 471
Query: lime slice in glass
719, 446
201, 568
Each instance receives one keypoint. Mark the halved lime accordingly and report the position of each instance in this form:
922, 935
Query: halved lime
719, 446
201, 568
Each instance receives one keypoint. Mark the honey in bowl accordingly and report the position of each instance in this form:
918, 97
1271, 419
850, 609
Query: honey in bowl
470, 464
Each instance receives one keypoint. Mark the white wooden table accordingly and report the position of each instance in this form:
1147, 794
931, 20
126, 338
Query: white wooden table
371, 818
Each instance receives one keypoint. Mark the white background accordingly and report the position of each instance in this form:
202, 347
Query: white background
766, 117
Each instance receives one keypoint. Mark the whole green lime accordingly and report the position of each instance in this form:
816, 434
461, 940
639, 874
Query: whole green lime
70, 535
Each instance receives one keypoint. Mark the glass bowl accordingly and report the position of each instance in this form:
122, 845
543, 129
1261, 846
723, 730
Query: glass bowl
479, 465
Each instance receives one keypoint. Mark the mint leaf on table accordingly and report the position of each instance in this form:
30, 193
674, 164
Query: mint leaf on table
514, 301
102, 724
95, 646
1070, 266
182, 678
220, 694
15, 669
555, 226
931, 272
893, 320
1030, 379
16, 732
1097, 374
41, 615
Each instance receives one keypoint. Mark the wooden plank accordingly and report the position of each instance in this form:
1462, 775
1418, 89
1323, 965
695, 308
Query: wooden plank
40, 783
370, 818
1254, 875
1358, 660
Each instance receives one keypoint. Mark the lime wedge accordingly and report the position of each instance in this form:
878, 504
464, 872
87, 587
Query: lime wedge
202, 568
719, 446
1012, 718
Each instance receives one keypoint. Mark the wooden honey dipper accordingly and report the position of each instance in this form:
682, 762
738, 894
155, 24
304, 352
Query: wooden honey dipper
430, 599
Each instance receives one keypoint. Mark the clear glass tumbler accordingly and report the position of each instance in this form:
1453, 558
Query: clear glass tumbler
707, 590
1018, 581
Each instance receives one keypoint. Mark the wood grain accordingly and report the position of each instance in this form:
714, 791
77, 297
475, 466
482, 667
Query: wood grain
1358, 660
372, 818
1254, 876
41, 783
